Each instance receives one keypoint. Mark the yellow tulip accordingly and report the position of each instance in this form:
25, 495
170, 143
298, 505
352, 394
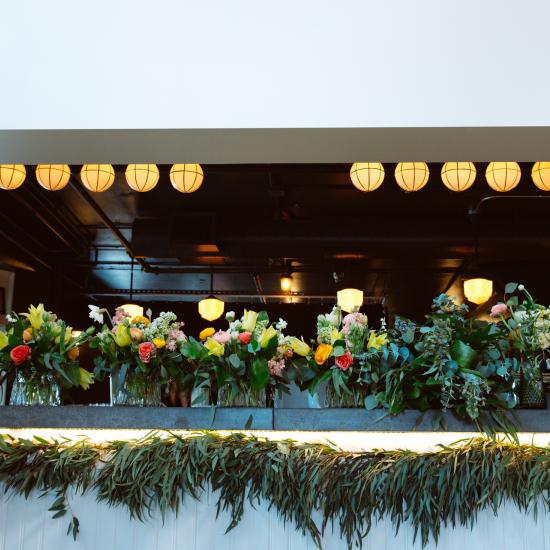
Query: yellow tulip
376, 342
249, 321
267, 335
36, 316
322, 352
205, 333
300, 347
86, 378
122, 336
214, 348
3, 340
159, 342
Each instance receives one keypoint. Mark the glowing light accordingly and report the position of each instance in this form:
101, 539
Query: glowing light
478, 291
350, 299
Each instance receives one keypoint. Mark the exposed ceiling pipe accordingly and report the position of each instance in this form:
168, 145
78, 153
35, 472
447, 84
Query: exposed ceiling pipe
111, 226
259, 287
477, 209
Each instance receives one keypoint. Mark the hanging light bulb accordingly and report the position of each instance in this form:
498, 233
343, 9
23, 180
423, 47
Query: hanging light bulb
12, 176
540, 174
478, 290
503, 176
350, 299
211, 308
142, 177
186, 178
53, 177
412, 176
286, 282
97, 177
458, 176
133, 310
367, 176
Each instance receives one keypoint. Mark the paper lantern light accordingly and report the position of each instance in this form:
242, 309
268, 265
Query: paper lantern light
133, 310
142, 177
540, 174
503, 176
97, 177
478, 291
53, 177
350, 299
458, 176
211, 308
367, 176
12, 176
412, 176
186, 178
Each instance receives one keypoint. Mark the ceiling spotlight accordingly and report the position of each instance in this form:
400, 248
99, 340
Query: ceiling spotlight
286, 282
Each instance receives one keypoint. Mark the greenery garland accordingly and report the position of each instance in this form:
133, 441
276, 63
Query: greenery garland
351, 490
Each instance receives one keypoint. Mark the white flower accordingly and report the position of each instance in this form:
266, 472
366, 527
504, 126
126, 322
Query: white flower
521, 288
235, 326
9, 319
230, 316
281, 324
149, 313
96, 313
383, 323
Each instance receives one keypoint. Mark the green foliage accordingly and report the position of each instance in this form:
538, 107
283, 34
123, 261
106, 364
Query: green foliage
350, 491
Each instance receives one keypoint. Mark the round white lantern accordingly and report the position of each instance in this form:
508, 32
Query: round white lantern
367, 176
412, 176
53, 177
503, 176
97, 177
458, 176
186, 178
540, 174
142, 177
12, 176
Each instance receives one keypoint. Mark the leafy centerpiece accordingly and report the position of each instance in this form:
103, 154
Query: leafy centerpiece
39, 354
139, 354
250, 360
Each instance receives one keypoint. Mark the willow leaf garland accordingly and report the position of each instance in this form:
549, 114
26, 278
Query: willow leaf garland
447, 487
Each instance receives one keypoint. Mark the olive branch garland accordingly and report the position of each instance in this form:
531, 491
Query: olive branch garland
352, 491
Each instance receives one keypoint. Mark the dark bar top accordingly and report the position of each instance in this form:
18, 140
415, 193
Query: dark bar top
207, 418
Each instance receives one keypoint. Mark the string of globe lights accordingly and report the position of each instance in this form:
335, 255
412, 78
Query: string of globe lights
456, 176
97, 178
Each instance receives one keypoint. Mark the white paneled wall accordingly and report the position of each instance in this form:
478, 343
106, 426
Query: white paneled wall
27, 525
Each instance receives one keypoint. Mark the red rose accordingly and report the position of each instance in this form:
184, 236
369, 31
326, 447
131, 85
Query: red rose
19, 354
146, 350
245, 337
344, 361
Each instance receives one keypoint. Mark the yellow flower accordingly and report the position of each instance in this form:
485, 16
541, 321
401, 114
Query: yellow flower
27, 335
35, 316
214, 348
300, 347
140, 320
86, 378
3, 340
249, 321
159, 342
205, 333
73, 353
267, 335
376, 342
122, 336
322, 352
68, 334
335, 335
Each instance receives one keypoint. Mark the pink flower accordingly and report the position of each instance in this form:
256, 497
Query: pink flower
351, 319
245, 337
498, 310
222, 337
344, 361
146, 350
276, 367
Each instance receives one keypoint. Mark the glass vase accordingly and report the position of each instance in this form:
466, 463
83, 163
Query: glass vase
200, 397
243, 397
344, 400
531, 387
135, 390
35, 390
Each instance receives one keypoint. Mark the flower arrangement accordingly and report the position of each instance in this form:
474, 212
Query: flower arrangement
39, 353
460, 364
351, 357
139, 354
528, 326
250, 360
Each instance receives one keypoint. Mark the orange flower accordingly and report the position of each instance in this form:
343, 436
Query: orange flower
73, 353
322, 352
